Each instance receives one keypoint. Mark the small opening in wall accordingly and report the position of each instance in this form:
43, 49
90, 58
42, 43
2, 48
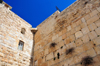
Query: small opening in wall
86, 2
23, 30
53, 44
94, 44
21, 45
54, 58
58, 55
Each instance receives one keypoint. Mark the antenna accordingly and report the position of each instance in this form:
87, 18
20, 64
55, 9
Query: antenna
58, 9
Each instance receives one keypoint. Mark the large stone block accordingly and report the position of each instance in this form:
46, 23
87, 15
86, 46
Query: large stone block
78, 42
98, 31
98, 9
97, 49
78, 34
93, 13
88, 46
91, 52
97, 23
92, 19
87, 17
97, 41
49, 56
92, 27
85, 30
85, 38
92, 35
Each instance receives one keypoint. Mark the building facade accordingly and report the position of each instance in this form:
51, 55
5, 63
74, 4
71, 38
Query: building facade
67, 38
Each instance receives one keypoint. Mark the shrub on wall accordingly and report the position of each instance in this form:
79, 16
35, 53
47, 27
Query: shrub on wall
69, 50
87, 61
53, 44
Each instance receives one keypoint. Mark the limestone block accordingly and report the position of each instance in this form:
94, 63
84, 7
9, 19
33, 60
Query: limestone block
97, 23
60, 33
71, 45
72, 38
73, 31
79, 42
85, 30
87, 17
88, 46
92, 26
83, 20
97, 62
98, 9
54, 37
68, 28
93, 13
68, 33
1, 54
85, 38
73, 25
97, 41
78, 50
67, 40
78, 34
49, 56
83, 25
92, 35
97, 49
91, 52
98, 31
92, 19
64, 31
44, 64
78, 28
78, 22
64, 36
46, 51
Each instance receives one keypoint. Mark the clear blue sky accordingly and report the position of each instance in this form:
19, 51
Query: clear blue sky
36, 11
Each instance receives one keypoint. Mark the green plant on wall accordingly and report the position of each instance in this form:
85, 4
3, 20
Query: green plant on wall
53, 44
87, 61
1, 1
69, 50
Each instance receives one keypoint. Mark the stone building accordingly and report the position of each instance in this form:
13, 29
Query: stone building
67, 38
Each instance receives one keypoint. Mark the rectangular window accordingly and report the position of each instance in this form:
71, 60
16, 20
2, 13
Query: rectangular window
21, 45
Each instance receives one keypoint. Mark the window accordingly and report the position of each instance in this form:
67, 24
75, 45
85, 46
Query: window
23, 30
21, 45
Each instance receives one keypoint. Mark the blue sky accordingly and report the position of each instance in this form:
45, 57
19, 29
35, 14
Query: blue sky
36, 11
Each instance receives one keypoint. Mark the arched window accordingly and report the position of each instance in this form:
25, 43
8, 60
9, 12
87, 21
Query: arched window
23, 30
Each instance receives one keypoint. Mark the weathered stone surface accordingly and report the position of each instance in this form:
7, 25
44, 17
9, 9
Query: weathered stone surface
98, 31
92, 27
76, 29
93, 13
97, 41
85, 30
78, 34
93, 19
92, 35
91, 52
85, 38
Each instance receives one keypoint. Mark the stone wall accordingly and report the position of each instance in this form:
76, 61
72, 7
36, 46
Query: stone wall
76, 29
10, 35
